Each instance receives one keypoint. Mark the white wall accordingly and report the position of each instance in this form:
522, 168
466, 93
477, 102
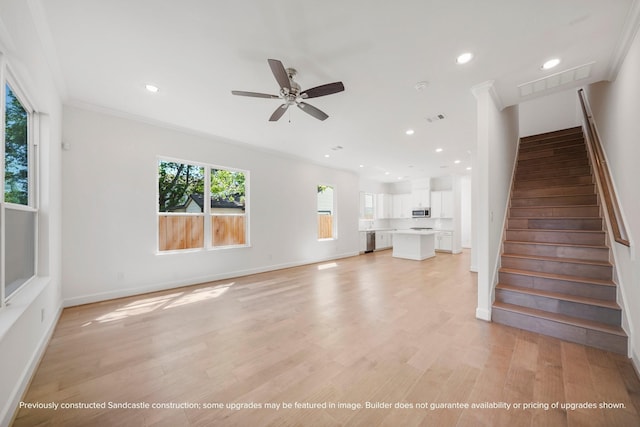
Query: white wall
465, 212
497, 139
615, 108
24, 331
549, 113
109, 210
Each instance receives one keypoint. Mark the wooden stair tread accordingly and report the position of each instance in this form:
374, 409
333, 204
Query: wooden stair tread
560, 296
578, 245
558, 259
555, 276
554, 230
551, 196
557, 217
561, 318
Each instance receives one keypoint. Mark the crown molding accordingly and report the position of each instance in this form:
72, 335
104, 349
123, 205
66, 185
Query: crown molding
488, 86
629, 31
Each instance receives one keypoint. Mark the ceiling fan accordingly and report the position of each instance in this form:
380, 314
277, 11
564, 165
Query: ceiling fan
291, 94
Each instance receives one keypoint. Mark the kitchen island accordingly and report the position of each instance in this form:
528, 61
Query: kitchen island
414, 244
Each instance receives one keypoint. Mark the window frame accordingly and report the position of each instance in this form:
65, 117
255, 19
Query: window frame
7, 77
206, 214
334, 216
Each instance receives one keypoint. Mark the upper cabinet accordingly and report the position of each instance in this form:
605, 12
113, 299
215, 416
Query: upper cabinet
420, 198
402, 205
442, 204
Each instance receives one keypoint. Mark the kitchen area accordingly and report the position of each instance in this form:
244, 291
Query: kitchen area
416, 219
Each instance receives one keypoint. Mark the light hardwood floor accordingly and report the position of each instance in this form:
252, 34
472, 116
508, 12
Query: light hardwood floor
364, 329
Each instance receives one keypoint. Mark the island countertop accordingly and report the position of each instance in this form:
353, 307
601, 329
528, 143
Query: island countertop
409, 231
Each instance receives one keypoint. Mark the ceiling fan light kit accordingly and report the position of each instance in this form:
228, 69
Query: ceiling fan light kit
291, 94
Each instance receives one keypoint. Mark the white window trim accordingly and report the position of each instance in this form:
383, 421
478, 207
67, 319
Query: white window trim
334, 221
33, 165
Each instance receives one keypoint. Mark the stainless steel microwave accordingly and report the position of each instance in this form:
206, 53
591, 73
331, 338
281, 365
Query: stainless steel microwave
421, 213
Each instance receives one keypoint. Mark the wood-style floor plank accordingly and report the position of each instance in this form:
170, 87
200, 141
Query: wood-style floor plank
336, 335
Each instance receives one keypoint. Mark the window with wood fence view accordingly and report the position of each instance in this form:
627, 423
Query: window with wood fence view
185, 221
325, 212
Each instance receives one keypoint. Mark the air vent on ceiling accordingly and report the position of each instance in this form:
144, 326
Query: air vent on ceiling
435, 118
555, 80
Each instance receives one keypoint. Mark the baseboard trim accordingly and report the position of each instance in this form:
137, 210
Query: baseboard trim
123, 293
26, 377
483, 314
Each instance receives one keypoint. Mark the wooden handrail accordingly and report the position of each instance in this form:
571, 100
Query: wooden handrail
603, 176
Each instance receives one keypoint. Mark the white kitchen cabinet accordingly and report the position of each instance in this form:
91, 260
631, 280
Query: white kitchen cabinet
383, 240
384, 206
402, 205
420, 198
444, 241
442, 204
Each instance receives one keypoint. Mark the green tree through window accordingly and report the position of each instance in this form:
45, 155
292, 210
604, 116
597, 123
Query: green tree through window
16, 175
176, 182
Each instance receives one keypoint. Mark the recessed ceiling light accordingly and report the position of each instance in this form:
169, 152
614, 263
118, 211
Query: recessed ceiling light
464, 58
438, 150
469, 168
361, 166
151, 88
456, 161
400, 177
387, 173
550, 64
410, 132
326, 155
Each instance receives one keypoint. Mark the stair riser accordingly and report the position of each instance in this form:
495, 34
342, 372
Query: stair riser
576, 252
573, 149
554, 182
553, 136
582, 311
525, 170
583, 199
569, 190
542, 173
556, 224
551, 212
526, 161
594, 271
579, 335
588, 290
580, 238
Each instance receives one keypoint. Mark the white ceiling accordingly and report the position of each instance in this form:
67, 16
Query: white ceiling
197, 51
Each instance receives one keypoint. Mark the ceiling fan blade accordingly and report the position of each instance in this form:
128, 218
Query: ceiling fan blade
254, 94
323, 90
280, 74
278, 113
310, 109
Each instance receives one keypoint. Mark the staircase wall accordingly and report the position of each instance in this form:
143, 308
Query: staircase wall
614, 106
497, 141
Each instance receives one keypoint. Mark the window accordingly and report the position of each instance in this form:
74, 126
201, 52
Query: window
186, 221
18, 206
326, 223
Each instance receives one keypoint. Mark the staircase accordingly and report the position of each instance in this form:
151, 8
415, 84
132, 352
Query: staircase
556, 278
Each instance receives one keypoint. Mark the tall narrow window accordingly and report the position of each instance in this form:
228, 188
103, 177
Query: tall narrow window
180, 206
18, 202
228, 213
326, 223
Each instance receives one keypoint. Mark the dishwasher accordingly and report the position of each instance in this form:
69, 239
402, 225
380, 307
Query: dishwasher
371, 242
